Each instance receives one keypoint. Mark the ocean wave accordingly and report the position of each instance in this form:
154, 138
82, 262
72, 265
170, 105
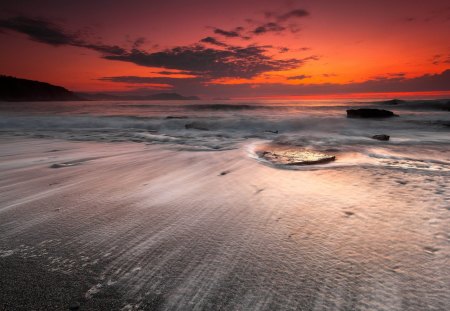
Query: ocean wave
227, 107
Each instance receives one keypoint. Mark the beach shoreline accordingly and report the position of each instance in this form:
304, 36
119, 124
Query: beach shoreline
147, 227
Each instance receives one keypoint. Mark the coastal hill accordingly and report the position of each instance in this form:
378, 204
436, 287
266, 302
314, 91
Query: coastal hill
16, 89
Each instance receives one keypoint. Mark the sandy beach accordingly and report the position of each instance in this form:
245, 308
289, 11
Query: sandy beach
128, 226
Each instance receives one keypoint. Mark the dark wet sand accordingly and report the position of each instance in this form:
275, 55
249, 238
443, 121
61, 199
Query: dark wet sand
136, 227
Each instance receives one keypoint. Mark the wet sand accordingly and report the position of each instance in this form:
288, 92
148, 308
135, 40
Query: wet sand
127, 226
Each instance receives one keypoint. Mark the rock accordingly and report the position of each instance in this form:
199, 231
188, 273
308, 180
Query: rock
176, 117
195, 126
60, 165
74, 305
446, 106
381, 137
271, 131
393, 102
293, 156
369, 113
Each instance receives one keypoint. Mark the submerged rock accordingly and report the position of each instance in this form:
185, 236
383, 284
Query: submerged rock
293, 156
195, 126
382, 137
370, 113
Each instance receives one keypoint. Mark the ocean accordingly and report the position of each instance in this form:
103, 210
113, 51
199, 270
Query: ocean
419, 137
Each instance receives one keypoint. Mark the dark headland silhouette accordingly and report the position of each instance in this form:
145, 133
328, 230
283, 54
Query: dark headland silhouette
17, 89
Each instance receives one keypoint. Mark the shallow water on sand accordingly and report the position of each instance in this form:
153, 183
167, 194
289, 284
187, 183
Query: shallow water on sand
147, 227
107, 205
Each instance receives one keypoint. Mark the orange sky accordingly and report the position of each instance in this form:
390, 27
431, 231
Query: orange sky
354, 47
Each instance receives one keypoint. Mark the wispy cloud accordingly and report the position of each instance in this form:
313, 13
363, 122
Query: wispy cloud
299, 77
297, 13
268, 27
46, 31
229, 33
213, 41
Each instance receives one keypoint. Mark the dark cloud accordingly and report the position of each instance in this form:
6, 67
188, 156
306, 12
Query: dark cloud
45, 31
138, 42
168, 73
268, 27
184, 85
39, 30
298, 13
425, 83
102, 48
440, 59
434, 82
278, 22
299, 77
142, 80
229, 34
233, 61
390, 76
213, 41
237, 62
397, 74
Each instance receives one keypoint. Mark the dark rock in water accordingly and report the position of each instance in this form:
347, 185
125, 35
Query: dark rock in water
74, 305
293, 156
393, 102
369, 113
195, 126
176, 117
381, 137
446, 106
269, 131
225, 107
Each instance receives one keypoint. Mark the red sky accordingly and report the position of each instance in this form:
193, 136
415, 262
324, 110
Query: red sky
320, 48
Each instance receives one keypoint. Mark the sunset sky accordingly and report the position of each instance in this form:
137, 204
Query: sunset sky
237, 49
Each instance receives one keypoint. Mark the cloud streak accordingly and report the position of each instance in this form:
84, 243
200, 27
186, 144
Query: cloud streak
297, 13
47, 32
229, 34
268, 27
213, 41
425, 83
